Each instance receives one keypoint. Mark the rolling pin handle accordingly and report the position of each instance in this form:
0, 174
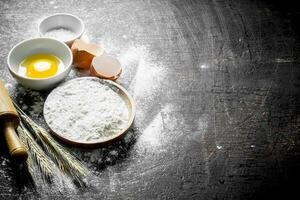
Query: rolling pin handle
16, 149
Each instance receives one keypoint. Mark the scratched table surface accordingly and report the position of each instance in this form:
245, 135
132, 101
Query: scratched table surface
216, 84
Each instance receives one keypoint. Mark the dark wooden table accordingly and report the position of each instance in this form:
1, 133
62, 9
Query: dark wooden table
216, 84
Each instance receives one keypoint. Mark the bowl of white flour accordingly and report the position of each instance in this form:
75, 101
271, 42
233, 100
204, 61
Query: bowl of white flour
62, 26
89, 111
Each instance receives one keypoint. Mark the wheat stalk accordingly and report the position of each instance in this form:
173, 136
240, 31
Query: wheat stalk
66, 162
45, 164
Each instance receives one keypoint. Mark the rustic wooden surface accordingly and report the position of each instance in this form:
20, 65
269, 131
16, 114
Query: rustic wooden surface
216, 84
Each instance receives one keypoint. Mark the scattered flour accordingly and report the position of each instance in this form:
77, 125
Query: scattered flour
8, 86
61, 34
85, 109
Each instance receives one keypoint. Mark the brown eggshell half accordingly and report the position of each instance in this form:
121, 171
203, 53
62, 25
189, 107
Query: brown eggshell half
83, 53
106, 66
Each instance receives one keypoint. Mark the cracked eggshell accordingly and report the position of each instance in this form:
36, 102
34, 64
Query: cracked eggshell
83, 53
106, 66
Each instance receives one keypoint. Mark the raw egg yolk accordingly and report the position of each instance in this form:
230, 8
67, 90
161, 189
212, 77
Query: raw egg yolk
41, 65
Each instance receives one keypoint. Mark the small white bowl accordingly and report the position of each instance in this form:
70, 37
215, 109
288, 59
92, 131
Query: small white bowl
39, 45
62, 20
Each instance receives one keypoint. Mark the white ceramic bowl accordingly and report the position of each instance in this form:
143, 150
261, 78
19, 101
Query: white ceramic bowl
39, 45
62, 20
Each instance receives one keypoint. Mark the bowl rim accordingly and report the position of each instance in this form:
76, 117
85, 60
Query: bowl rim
65, 14
97, 143
69, 65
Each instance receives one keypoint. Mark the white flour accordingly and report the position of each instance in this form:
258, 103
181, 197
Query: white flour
85, 110
61, 34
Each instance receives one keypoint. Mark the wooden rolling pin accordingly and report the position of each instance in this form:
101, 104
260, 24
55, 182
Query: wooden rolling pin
9, 121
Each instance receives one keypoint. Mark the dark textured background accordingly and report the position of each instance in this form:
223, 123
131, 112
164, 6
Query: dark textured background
216, 84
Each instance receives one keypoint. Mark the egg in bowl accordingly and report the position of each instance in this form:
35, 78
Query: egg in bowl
40, 63
40, 66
